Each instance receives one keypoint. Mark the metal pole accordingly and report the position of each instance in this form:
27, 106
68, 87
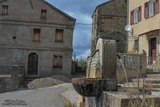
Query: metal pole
127, 23
158, 48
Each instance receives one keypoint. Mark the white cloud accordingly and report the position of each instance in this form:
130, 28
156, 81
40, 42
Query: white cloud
81, 18
84, 55
85, 18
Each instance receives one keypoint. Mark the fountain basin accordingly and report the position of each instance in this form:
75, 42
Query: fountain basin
88, 87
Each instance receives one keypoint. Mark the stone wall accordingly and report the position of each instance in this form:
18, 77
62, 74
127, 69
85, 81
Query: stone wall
109, 17
12, 80
45, 60
122, 99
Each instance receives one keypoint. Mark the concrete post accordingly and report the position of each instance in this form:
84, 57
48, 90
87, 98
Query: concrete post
2, 85
109, 59
90, 102
14, 77
144, 63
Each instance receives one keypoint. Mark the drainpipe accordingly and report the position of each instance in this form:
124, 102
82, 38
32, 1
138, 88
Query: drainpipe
158, 47
127, 23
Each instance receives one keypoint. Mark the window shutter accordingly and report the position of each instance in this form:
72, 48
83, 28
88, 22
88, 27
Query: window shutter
139, 13
36, 35
59, 35
157, 6
131, 17
146, 10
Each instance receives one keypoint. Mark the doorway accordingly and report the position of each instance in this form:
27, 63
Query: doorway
152, 49
32, 68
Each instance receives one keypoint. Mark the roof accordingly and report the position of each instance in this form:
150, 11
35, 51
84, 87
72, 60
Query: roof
101, 5
53, 7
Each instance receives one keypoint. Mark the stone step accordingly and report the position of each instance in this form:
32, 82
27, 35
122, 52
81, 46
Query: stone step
149, 83
26, 81
147, 80
31, 86
155, 87
152, 72
31, 78
156, 76
131, 84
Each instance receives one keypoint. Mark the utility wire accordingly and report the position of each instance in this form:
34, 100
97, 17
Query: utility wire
85, 24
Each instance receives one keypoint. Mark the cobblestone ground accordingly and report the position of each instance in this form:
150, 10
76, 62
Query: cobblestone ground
43, 97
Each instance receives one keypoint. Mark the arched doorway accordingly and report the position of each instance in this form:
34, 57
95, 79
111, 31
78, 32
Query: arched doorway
32, 64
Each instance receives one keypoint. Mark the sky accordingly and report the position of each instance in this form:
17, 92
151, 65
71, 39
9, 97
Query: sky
82, 11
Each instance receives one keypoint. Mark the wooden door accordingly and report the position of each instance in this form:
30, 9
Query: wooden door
32, 64
152, 49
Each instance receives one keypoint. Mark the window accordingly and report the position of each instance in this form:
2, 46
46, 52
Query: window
135, 19
4, 10
59, 35
135, 15
57, 61
43, 14
36, 35
151, 8
136, 44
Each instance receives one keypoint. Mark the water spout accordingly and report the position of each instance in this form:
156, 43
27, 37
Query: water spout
89, 68
120, 60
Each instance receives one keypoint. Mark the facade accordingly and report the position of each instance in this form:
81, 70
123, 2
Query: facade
144, 18
36, 34
108, 21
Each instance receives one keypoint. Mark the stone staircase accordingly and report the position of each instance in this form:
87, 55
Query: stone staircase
150, 82
26, 81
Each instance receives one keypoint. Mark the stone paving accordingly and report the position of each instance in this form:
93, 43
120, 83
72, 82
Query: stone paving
42, 97
71, 97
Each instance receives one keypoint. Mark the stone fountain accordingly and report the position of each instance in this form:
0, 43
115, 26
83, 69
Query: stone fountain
101, 72
100, 85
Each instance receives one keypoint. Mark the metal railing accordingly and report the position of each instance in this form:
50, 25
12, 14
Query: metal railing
131, 61
153, 63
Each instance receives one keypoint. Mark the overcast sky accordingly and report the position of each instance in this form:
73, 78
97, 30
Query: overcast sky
82, 11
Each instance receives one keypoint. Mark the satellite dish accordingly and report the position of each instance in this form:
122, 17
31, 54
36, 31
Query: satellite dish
128, 27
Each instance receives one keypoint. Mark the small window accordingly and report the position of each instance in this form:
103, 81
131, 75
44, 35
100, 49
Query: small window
57, 61
4, 10
43, 14
151, 8
59, 35
36, 35
135, 15
136, 44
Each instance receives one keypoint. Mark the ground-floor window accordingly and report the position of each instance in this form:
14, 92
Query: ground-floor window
57, 61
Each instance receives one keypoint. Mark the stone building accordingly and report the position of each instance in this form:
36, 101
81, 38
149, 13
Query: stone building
36, 34
144, 18
108, 21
